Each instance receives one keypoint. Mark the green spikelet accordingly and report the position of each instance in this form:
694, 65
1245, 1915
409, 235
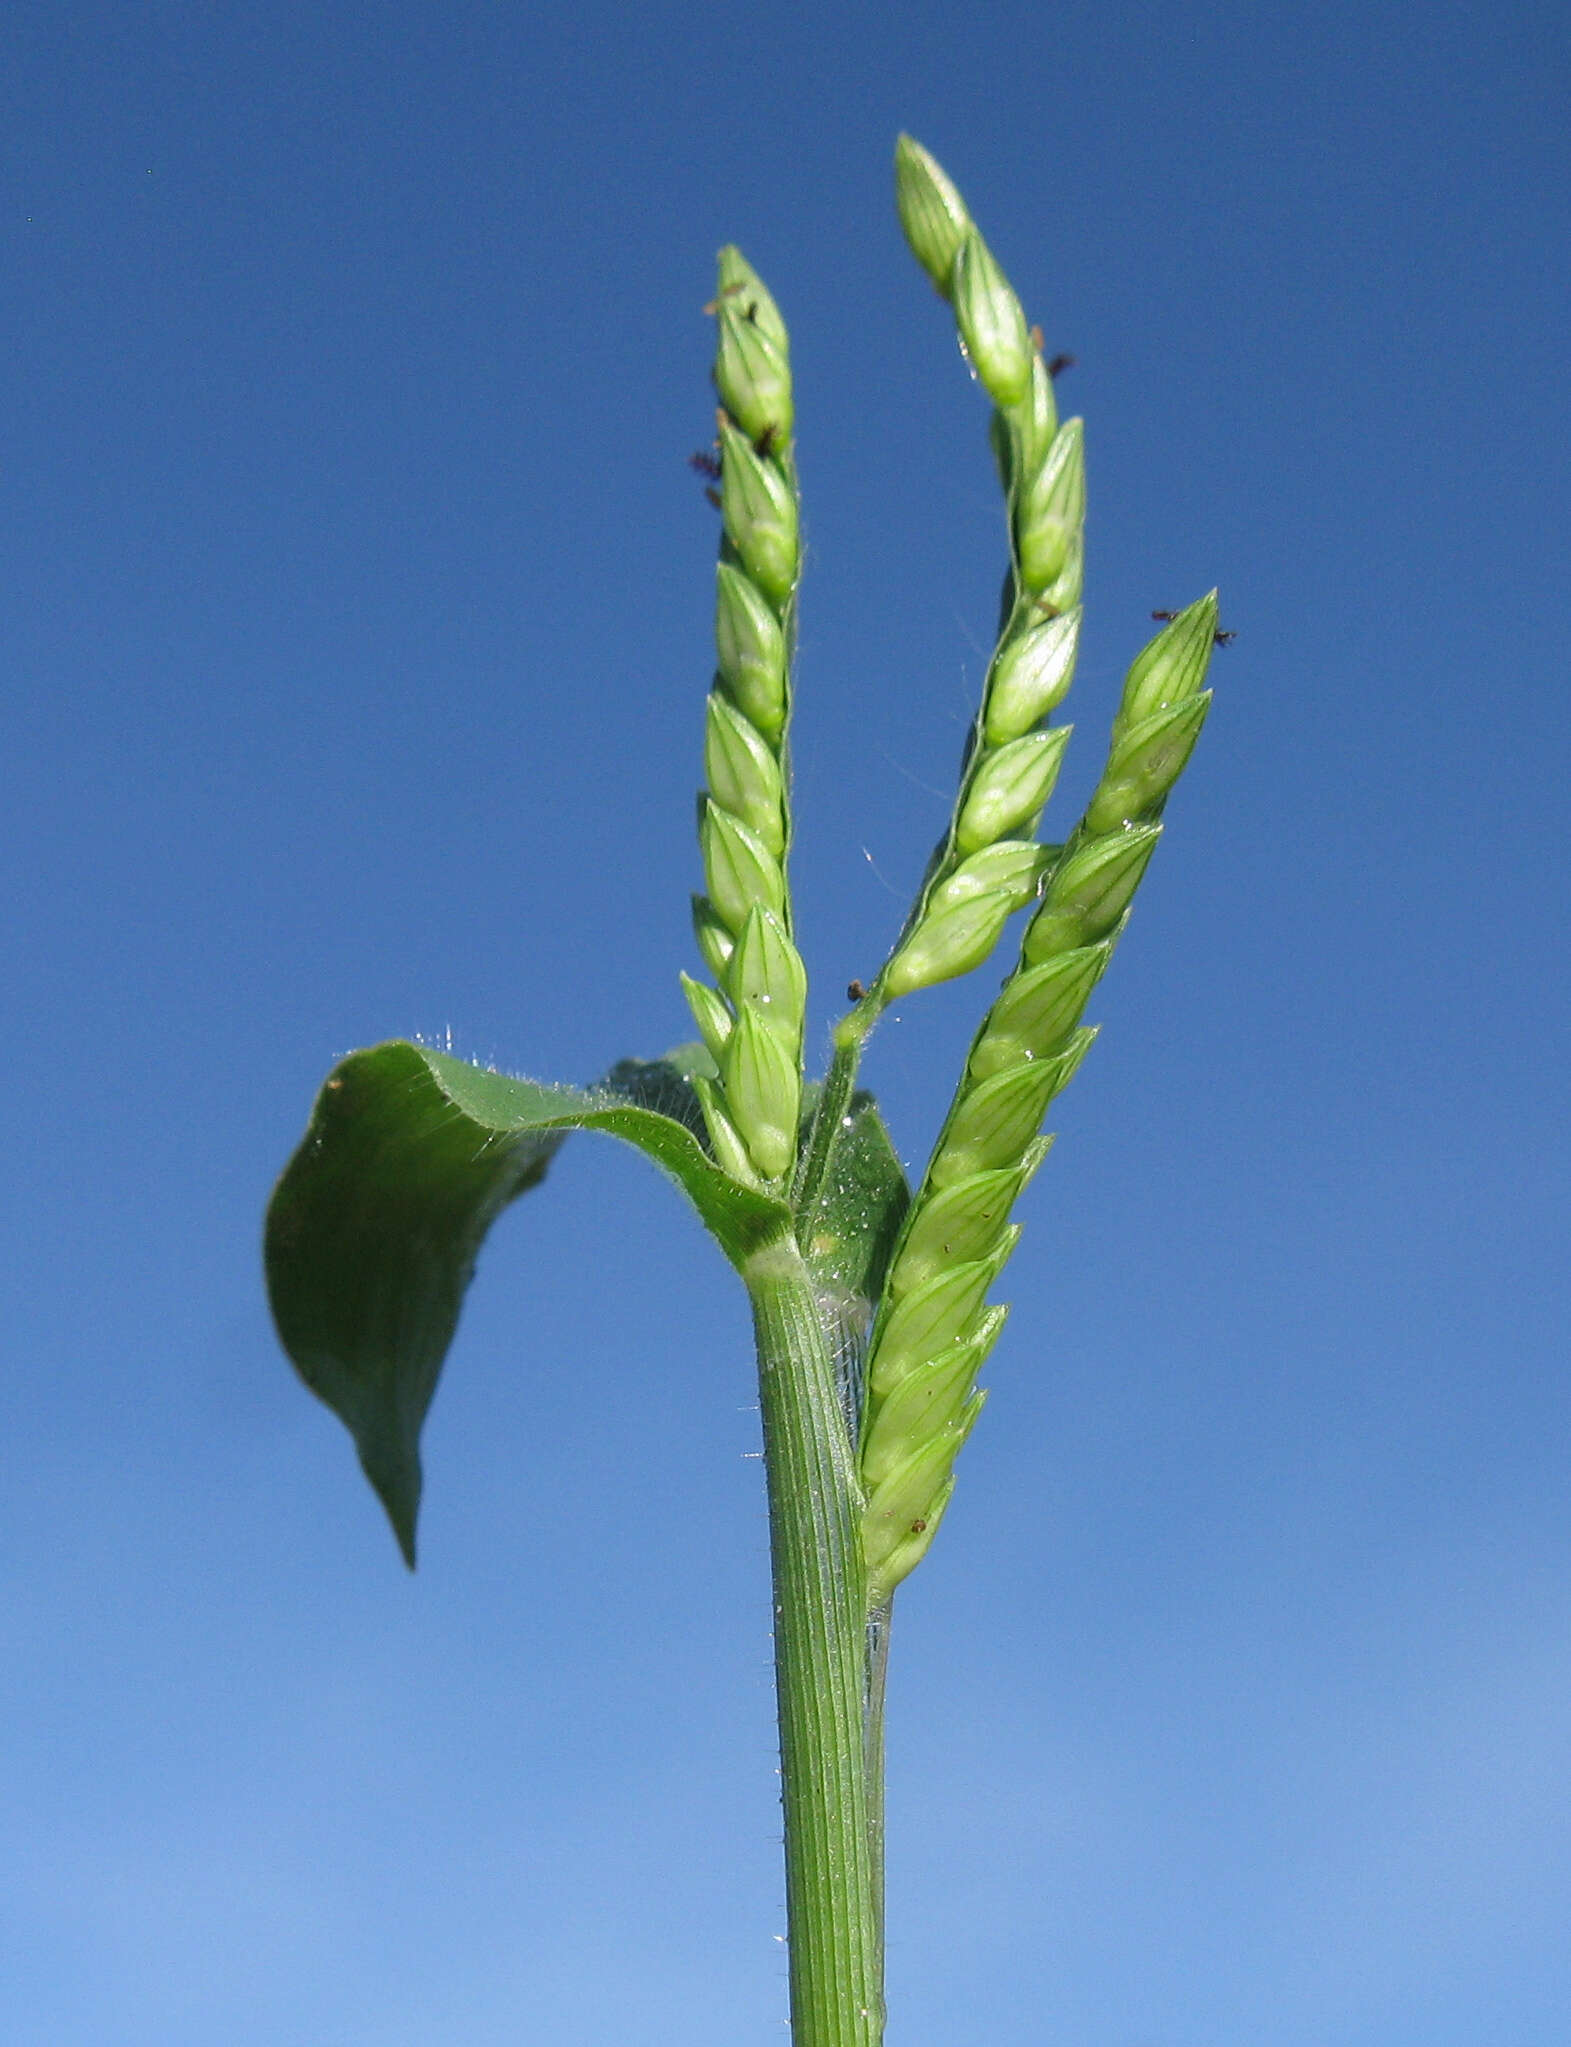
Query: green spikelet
751, 1023
932, 212
992, 325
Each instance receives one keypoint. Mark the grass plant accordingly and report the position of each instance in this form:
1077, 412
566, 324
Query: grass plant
871, 1299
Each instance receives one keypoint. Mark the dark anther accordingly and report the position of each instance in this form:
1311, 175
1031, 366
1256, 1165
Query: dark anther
1059, 364
854, 991
1218, 637
706, 464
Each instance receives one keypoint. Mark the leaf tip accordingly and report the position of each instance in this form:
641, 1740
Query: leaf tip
397, 1484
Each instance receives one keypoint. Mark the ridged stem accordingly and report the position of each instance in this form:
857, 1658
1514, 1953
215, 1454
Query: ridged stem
820, 1613
873, 1742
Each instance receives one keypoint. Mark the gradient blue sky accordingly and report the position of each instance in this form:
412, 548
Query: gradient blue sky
354, 661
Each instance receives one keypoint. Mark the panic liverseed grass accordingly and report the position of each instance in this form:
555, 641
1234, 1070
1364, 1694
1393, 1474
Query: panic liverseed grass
872, 1303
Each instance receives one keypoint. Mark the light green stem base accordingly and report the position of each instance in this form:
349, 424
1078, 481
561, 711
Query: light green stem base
820, 1614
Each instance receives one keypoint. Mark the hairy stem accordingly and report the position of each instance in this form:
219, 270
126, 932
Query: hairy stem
829, 1117
820, 1614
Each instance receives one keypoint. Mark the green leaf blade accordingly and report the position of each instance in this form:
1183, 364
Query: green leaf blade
374, 1229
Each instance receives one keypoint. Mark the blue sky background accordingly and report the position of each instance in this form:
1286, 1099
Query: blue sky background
354, 656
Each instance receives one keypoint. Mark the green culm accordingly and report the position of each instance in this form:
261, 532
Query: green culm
871, 1303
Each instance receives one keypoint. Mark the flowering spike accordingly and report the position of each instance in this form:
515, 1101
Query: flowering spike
1031, 1041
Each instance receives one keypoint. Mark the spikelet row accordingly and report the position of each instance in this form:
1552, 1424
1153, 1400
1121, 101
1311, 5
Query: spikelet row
752, 1019
990, 866
934, 1326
